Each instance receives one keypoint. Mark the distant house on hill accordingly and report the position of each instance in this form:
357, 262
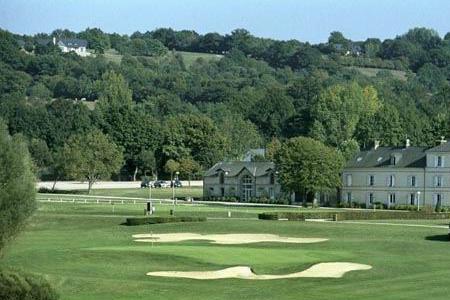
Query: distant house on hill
243, 180
67, 45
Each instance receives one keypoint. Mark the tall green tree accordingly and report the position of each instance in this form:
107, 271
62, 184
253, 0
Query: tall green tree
338, 111
91, 156
307, 166
17, 181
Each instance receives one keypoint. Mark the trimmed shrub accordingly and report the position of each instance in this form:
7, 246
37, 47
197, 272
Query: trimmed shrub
354, 215
160, 220
15, 286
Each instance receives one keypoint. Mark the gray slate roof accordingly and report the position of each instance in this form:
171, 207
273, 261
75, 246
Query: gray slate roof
235, 167
411, 157
445, 147
72, 43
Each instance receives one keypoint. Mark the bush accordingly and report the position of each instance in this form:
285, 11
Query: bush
160, 220
45, 190
354, 215
14, 286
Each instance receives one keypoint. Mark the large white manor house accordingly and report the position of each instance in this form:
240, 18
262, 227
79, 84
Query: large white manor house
399, 175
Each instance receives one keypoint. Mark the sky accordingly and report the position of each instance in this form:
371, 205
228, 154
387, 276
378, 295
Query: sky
304, 20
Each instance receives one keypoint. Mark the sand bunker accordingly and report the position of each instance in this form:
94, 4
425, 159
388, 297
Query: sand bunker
321, 270
223, 238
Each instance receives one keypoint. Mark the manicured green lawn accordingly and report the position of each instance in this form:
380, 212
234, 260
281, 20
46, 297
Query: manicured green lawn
86, 254
162, 193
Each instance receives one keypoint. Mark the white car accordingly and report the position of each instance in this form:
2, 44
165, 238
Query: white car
161, 184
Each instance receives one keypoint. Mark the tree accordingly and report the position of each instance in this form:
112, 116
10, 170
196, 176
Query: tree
189, 167
147, 161
91, 156
171, 167
96, 38
17, 192
307, 166
192, 135
17, 203
272, 111
338, 111
272, 148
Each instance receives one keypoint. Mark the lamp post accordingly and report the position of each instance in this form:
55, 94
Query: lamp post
150, 196
418, 200
173, 188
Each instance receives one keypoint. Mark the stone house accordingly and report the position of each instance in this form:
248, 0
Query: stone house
243, 180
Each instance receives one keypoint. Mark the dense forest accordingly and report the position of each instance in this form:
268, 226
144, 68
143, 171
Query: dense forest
245, 92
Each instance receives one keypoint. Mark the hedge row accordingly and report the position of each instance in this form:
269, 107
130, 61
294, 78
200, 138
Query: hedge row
14, 286
158, 220
352, 215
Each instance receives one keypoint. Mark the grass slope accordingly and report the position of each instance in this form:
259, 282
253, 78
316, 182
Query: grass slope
85, 252
189, 58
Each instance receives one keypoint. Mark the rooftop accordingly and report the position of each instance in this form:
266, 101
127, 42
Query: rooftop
235, 167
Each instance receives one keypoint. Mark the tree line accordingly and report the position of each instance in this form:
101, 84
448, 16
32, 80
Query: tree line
154, 108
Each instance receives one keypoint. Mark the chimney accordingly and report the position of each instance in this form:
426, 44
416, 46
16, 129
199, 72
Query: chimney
54, 40
408, 143
443, 140
377, 144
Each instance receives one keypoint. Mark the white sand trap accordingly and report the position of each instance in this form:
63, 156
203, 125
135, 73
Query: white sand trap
322, 270
223, 238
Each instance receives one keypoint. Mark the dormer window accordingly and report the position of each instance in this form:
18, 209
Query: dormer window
272, 178
395, 158
222, 178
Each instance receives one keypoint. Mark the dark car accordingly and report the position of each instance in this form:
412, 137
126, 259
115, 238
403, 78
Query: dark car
145, 183
176, 183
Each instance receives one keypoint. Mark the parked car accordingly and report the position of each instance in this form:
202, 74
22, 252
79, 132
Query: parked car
177, 183
146, 183
161, 184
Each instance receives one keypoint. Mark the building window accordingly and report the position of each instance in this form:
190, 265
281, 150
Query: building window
222, 192
348, 179
437, 199
371, 180
413, 181
222, 178
271, 193
439, 162
349, 197
392, 198
211, 191
412, 199
247, 187
437, 181
371, 198
272, 178
391, 181
393, 160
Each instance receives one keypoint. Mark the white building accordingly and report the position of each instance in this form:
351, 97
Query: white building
399, 175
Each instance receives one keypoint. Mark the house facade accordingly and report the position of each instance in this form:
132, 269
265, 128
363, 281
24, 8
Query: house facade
242, 180
399, 176
73, 45
78, 46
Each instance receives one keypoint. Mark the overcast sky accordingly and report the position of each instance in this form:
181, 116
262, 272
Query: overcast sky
305, 20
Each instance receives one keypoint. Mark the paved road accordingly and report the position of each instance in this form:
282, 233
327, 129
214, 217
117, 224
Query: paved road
77, 185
